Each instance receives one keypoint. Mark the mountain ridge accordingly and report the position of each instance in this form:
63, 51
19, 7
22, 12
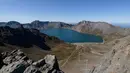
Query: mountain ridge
37, 24
104, 29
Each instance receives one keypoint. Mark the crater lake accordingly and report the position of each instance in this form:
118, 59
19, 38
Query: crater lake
72, 36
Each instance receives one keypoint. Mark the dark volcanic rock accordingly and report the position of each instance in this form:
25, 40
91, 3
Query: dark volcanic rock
1, 61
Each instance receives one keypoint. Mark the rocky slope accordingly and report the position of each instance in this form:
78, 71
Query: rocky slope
101, 28
117, 60
112, 57
96, 27
17, 62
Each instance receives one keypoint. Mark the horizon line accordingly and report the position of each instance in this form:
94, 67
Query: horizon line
66, 21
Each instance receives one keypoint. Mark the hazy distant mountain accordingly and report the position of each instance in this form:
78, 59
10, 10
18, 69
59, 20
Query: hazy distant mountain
37, 24
100, 28
13, 24
123, 25
46, 24
2, 23
95, 27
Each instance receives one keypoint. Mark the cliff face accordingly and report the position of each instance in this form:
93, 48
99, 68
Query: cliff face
117, 60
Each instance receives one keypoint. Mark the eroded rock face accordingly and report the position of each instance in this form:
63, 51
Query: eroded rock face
1, 61
17, 62
32, 69
117, 60
48, 65
14, 56
15, 67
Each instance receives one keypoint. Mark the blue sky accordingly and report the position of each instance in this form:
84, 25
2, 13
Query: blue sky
113, 11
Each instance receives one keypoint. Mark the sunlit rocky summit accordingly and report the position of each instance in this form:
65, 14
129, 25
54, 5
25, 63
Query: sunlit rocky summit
17, 62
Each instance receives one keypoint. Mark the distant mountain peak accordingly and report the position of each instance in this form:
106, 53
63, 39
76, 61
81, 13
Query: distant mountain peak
84, 22
13, 22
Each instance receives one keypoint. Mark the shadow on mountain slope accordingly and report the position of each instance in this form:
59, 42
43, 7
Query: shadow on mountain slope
23, 37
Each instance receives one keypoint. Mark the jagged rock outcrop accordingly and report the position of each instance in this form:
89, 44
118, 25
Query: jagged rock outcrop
15, 67
17, 62
117, 60
47, 65
14, 56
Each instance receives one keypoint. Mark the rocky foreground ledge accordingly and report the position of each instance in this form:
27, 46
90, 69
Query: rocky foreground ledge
17, 62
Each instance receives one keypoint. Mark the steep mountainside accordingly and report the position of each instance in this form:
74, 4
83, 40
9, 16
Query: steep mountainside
117, 60
24, 37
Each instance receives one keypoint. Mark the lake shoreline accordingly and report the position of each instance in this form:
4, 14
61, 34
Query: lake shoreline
84, 43
71, 36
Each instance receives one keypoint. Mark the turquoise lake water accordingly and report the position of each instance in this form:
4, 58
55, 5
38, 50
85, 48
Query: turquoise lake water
72, 36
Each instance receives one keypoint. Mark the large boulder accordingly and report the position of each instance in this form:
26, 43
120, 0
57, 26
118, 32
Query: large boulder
48, 65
